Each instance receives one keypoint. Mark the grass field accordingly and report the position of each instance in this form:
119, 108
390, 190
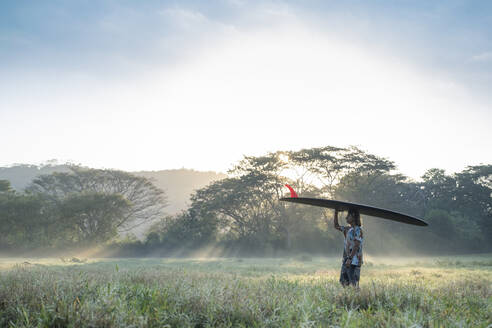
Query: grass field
296, 292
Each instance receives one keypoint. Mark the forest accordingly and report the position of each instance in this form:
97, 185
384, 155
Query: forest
241, 214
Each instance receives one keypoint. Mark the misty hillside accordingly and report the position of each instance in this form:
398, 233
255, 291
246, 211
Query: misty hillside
178, 184
20, 175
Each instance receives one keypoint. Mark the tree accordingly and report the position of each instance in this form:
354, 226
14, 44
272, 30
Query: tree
392, 191
32, 220
464, 203
146, 202
439, 189
5, 186
474, 193
330, 164
240, 205
187, 230
247, 205
243, 210
22, 221
90, 217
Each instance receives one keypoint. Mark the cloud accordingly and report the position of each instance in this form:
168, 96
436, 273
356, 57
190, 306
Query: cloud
112, 41
236, 3
281, 10
204, 73
187, 20
184, 16
484, 57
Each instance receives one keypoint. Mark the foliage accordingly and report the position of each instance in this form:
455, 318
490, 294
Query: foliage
146, 201
185, 231
243, 212
330, 164
5, 186
91, 217
33, 220
22, 220
247, 209
465, 202
78, 208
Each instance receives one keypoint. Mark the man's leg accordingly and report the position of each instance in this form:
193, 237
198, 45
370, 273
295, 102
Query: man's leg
344, 278
354, 275
357, 275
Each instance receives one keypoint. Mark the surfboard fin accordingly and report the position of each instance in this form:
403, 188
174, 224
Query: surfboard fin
293, 194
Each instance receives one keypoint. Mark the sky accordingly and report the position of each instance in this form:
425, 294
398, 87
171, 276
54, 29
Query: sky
150, 85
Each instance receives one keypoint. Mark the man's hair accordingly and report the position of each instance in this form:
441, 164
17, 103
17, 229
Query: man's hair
356, 215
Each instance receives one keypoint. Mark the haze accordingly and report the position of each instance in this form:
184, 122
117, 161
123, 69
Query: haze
162, 85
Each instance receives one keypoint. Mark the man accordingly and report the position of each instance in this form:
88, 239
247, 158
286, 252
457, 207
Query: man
352, 251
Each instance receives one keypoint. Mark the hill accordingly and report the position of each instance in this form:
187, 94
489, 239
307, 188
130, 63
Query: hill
178, 184
21, 175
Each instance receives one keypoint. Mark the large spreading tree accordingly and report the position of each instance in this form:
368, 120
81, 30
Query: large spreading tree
145, 202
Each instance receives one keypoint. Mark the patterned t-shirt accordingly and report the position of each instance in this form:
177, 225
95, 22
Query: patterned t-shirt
351, 235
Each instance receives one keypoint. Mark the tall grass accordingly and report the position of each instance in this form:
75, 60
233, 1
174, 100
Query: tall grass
243, 293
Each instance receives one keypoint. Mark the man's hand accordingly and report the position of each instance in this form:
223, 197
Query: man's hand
348, 262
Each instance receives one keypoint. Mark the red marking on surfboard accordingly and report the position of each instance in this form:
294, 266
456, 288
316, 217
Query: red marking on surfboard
293, 194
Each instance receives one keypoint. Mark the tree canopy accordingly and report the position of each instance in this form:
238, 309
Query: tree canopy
146, 202
80, 207
244, 212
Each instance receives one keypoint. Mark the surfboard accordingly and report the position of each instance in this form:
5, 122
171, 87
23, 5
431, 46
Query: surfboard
363, 209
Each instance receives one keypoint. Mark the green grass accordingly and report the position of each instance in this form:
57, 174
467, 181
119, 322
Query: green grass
418, 292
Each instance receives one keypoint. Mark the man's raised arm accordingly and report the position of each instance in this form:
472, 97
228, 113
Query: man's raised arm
335, 221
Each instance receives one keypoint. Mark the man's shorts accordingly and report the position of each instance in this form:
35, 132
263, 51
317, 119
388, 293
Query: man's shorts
350, 275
